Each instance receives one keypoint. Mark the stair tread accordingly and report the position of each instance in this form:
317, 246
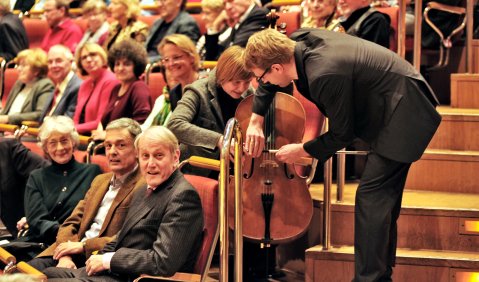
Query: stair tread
406, 253
449, 111
412, 199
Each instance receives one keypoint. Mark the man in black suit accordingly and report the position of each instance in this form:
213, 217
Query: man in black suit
174, 19
161, 234
63, 100
16, 163
367, 92
242, 18
12, 33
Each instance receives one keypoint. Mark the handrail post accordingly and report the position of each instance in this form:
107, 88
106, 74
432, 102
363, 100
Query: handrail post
469, 35
417, 35
232, 126
328, 165
340, 176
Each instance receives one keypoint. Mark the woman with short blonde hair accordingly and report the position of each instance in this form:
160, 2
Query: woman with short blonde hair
29, 94
95, 12
126, 24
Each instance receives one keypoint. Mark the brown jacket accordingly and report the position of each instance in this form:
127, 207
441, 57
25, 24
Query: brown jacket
75, 226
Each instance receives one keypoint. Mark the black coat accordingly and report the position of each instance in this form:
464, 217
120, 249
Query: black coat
13, 36
366, 91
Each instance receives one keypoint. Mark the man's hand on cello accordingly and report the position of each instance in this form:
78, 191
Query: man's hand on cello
254, 141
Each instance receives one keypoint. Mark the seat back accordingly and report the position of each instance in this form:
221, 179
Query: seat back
291, 19
208, 190
36, 31
200, 22
102, 161
34, 147
156, 82
149, 20
10, 76
393, 13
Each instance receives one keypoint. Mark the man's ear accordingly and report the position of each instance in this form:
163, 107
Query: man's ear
277, 67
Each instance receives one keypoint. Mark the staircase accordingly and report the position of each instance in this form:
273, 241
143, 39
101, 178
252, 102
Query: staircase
438, 230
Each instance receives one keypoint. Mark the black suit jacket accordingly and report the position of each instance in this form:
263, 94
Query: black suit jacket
68, 102
16, 163
161, 233
13, 36
255, 21
184, 23
366, 91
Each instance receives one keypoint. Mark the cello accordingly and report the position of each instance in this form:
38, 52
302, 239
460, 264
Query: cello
277, 205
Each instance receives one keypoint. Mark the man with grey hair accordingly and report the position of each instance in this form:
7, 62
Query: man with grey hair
100, 215
62, 29
12, 33
63, 100
162, 230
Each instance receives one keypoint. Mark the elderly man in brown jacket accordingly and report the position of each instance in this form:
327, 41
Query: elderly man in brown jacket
100, 215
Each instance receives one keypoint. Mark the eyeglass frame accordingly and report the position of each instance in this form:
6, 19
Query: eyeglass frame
266, 70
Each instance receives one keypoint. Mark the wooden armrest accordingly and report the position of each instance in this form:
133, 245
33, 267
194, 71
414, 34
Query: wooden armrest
31, 123
84, 140
23, 267
8, 127
7, 257
208, 64
202, 162
447, 8
179, 276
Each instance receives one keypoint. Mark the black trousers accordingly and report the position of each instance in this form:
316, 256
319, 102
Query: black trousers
58, 274
378, 204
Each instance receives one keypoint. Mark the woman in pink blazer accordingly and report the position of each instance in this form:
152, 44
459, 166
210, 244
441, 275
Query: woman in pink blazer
95, 91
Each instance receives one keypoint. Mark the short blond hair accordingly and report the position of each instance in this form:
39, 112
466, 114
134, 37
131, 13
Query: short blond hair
92, 48
36, 58
132, 8
268, 47
231, 66
216, 5
94, 6
185, 44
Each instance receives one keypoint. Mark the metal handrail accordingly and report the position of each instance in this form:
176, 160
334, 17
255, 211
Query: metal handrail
232, 129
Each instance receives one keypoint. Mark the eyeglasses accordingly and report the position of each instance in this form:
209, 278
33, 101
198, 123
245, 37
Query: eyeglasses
258, 79
89, 55
52, 144
172, 60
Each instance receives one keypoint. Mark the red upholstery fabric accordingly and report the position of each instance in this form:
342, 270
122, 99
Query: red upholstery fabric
10, 77
102, 161
36, 31
208, 190
35, 148
200, 23
156, 82
149, 20
292, 20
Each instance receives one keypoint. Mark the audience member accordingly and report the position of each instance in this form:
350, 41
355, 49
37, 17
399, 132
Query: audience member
131, 98
161, 112
52, 192
63, 99
100, 215
321, 14
62, 29
210, 11
95, 91
126, 24
207, 104
243, 18
29, 94
95, 12
162, 230
174, 19
360, 19
12, 32
16, 163
181, 61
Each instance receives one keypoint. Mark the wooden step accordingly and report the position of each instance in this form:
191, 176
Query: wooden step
428, 220
446, 171
459, 130
337, 264
465, 90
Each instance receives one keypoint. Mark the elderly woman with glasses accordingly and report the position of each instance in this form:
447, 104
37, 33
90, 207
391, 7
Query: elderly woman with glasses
207, 104
53, 192
94, 93
126, 24
131, 98
29, 94
181, 63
